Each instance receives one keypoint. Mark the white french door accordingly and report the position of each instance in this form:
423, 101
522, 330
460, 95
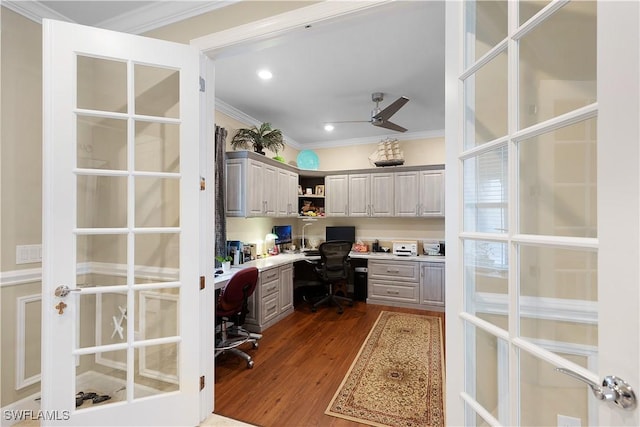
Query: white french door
543, 201
121, 225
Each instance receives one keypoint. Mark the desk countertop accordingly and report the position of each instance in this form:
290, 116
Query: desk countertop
286, 258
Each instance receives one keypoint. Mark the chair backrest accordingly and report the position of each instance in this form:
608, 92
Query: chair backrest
334, 259
233, 298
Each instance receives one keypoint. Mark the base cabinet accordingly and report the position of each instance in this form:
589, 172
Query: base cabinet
432, 284
272, 299
410, 284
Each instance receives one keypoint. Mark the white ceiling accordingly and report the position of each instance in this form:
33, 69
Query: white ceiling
322, 74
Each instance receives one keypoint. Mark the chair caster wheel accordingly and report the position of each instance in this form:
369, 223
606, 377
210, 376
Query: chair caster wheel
313, 309
255, 345
340, 311
250, 364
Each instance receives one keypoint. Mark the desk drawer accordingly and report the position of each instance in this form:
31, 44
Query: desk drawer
270, 307
393, 292
269, 275
398, 270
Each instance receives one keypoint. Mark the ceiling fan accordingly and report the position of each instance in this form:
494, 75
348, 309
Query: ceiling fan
380, 117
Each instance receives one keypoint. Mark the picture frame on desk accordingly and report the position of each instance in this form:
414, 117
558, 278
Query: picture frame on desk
319, 190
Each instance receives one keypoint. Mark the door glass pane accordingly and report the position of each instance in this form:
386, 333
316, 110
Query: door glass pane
157, 316
93, 93
486, 99
157, 257
546, 393
485, 279
157, 91
491, 361
102, 143
157, 369
102, 201
489, 18
557, 173
157, 147
485, 192
103, 319
558, 64
157, 202
528, 8
101, 248
101, 379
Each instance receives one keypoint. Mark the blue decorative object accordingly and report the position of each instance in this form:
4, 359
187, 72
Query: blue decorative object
308, 159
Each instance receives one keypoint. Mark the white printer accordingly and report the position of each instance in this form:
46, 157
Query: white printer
405, 248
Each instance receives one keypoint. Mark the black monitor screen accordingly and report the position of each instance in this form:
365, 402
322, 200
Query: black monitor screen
283, 232
341, 233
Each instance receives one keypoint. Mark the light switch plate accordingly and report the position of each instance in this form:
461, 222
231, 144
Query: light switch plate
26, 254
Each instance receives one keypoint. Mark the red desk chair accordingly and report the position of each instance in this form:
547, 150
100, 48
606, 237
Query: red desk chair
231, 310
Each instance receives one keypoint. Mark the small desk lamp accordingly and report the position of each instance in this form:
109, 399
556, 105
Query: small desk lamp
308, 221
270, 244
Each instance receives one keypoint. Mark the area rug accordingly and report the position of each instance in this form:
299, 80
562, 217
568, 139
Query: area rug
397, 378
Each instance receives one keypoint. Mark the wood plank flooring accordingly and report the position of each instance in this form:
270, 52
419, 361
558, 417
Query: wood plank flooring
299, 365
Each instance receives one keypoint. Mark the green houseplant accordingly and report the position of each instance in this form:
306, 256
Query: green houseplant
259, 138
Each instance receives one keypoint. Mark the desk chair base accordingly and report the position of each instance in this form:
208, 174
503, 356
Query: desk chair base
331, 299
233, 336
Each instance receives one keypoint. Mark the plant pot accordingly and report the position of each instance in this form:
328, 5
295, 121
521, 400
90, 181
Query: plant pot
258, 149
226, 266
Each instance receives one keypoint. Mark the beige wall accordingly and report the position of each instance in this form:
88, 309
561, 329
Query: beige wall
222, 19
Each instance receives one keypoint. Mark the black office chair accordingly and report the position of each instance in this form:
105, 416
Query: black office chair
333, 267
231, 311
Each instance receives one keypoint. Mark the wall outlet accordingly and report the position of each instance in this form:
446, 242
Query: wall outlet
26, 254
565, 421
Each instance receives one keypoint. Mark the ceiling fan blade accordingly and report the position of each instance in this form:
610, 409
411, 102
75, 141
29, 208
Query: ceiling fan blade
389, 125
391, 109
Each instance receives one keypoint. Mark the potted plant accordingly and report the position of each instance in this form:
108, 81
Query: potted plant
225, 261
259, 138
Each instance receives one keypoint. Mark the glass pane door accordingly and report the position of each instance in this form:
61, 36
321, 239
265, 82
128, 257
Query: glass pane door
529, 236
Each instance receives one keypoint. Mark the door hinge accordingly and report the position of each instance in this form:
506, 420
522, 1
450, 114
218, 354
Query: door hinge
203, 183
202, 282
202, 85
201, 383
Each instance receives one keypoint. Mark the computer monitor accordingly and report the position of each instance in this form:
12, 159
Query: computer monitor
347, 233
283, 232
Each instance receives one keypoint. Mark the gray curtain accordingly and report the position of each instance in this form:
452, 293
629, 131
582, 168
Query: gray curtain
220, 190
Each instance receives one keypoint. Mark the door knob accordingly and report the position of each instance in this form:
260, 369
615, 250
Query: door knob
613, 389
63, 290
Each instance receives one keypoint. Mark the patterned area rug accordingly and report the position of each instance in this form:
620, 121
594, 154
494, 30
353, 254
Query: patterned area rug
397, 378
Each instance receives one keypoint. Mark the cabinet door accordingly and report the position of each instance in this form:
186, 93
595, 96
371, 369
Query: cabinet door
382, 191
254, 189
286, 288
337, 195
292, 191
406, 193
283, 197
235, 187
432, 283
432, 193
359, 195
270, 190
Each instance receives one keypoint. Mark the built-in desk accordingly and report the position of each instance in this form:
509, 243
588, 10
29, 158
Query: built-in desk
422, 285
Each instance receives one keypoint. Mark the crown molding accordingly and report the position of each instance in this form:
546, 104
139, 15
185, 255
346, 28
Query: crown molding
240, 116
160, 14
34, 10
137, 21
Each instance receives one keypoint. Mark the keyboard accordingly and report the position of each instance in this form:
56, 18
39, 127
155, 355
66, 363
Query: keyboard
312, 253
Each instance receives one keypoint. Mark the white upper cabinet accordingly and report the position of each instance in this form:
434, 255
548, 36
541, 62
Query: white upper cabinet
371, 194
431, 193
257, 189
419, 193
336, 195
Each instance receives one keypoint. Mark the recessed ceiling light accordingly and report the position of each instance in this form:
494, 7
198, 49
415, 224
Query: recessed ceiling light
328, 127
265, 74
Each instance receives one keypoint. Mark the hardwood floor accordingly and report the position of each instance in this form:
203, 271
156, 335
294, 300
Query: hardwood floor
299, 365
